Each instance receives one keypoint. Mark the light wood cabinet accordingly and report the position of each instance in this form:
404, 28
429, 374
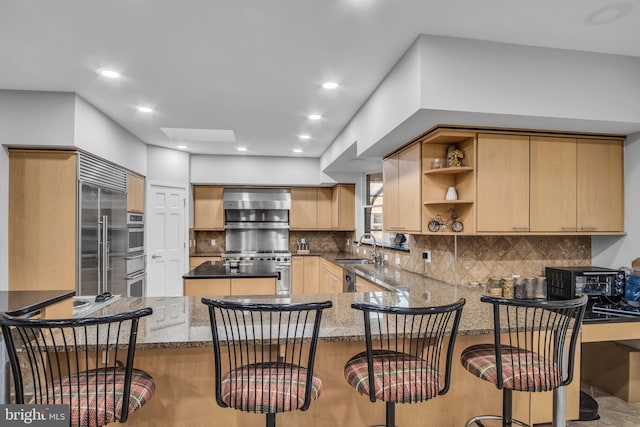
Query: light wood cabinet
402, 178
208, 212
503, 183
553, 183
330, 278
135, 193
363, 285
207, 287
195, 261
600, 193
42, 219
437, 180
227, 286
343, 210
305, 274
310, 209
253, 286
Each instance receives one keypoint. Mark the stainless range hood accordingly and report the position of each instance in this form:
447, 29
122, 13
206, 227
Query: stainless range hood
257, 199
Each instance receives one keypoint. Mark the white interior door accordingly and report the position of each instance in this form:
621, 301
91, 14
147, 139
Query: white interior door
167, 238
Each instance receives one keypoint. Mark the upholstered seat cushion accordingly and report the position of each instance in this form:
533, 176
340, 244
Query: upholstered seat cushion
521, 370
397, 377
268, 387
95, 397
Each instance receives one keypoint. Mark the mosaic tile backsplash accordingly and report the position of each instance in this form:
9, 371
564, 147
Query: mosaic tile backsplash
321, 241
480, 257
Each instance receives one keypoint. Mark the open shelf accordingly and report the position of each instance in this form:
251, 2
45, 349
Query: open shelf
448, 202
449, 171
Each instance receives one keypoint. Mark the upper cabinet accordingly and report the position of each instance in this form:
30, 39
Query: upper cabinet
402, 176
135, 193
600, 194
508, 182
503, 183
208, 213
310, 209
343, 207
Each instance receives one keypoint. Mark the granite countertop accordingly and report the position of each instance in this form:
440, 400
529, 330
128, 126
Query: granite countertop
220, 270
19, 303
183, 322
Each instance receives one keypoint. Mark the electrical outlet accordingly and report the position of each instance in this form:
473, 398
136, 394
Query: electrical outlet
426, 256
357, 250
213, 242
348, 242
386, 257
397, 259
364, 252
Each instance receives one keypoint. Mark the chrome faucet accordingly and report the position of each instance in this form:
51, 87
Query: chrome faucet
375, 256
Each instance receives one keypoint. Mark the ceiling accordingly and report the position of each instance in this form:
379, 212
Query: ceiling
256, 67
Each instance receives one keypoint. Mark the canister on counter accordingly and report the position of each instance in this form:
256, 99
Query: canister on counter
530, 288
519, 288
494, 286
541, 287
507, 287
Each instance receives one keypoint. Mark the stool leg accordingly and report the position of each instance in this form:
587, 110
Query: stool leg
271, 420
559, 407
506, 407
391, 414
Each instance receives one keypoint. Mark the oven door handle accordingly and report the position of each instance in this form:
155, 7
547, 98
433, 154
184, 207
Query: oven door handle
137, 276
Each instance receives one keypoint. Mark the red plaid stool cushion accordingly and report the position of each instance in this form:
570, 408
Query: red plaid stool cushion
521, 370
398, 377
100, 392
268, 388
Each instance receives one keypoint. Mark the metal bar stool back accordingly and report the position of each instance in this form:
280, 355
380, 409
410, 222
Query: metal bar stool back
264, 355
533, 349
85, 363
407, 357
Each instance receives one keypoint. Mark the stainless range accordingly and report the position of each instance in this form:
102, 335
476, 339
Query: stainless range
257, 229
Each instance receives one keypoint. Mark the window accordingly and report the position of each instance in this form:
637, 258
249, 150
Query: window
373, 212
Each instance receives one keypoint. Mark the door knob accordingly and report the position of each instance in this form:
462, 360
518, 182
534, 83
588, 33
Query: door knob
156, 256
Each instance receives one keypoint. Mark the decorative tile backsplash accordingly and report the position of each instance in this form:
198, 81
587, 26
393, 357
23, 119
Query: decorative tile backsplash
203, 242
464, 259
321, 241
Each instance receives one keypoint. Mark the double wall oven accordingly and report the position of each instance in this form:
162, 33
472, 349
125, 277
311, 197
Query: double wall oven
136, 257
257, 229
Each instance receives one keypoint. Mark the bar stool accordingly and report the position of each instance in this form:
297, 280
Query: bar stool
264, 355
533, 351
85, 363
404, 361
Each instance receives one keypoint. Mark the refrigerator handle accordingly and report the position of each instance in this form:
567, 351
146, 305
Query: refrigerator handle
100, 273
105, 253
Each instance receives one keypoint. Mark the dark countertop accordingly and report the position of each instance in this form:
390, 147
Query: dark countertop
18, 303
218, 254
219, 270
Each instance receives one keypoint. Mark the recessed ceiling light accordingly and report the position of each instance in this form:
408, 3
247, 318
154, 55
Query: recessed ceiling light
329, 85
315, 117
304, 136
182, 147
241, 148
109, 73
297, 150
609, 14
145, 109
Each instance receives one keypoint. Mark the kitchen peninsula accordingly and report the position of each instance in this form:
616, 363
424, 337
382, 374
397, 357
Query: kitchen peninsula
174, 346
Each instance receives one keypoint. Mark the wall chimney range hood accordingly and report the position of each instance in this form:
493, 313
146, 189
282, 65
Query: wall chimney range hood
257, 199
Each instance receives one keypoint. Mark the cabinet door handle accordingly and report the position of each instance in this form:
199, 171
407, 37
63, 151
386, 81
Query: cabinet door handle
569, 228
396, 227
588, 228
521, 228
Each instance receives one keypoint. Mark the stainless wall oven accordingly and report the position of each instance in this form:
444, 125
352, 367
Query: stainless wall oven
135, 233
136, 260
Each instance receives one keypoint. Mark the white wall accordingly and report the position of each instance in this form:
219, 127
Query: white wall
499, 78
34, 119
166, 165
250, 170
619, 251
98, 134
396, 98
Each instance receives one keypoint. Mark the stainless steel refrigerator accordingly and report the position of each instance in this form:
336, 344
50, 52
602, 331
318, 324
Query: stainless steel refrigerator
102, 220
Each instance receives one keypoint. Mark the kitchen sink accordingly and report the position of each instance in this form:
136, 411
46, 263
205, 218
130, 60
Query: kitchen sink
354, 261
